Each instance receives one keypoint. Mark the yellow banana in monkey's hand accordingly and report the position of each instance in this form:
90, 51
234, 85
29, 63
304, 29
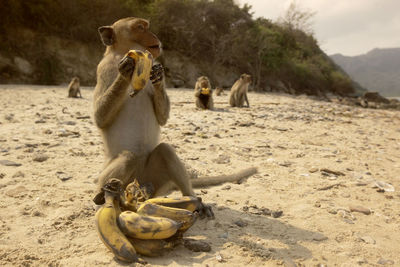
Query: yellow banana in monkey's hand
110, 234
141, 73
205, 91
186, 202
184, 216
146, 227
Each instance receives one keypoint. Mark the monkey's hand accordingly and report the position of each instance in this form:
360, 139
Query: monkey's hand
126, 67
156, 74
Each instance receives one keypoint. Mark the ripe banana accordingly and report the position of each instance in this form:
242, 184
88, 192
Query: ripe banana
110, 234
205, 91
146, 227
184, 216
186, 202
151, 247
141, 73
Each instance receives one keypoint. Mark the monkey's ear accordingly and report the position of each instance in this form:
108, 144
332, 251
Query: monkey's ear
107, 35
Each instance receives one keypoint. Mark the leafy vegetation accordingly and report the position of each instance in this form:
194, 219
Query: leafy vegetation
212, 33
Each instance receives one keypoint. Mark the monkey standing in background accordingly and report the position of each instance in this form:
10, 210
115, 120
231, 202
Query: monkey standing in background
74, 88
239, 91
203, 93
130, 126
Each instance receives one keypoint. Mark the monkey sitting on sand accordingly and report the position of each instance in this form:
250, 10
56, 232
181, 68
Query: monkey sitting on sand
203, 93
239, 91
74, 88
130, 126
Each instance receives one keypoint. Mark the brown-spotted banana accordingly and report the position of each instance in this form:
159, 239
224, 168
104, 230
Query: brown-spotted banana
151, 247
186, 202
183, 216
110, 234
146, 227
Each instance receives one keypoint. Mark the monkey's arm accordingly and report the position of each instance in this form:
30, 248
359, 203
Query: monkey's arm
160, 98
110, 98
197, 90
108, 104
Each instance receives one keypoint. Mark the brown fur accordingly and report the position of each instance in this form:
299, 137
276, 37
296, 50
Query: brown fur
74, 88
203, 101
239, 90
130, 127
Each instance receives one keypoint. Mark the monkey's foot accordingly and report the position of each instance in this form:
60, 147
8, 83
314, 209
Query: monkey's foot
112, 186
205, 211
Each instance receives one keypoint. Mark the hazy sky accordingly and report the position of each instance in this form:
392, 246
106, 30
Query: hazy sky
349, 27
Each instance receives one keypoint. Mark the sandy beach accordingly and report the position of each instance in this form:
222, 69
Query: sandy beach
313, 202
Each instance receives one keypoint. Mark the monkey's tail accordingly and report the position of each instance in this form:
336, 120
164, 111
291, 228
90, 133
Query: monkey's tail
220, 179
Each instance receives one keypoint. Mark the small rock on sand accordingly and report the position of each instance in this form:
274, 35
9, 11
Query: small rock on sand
355, 208
196, 245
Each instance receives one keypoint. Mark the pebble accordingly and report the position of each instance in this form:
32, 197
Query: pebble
219, 258
227, 187
224, 235
63, 176
240, 223
354, 208
40, 157
319, 237
332, 211
383, 261
368, 240
326, 171
313, 169
277, 214
6, 162
18, 174
196, 245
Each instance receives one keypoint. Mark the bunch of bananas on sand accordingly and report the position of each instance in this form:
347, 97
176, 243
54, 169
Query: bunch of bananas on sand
129, 222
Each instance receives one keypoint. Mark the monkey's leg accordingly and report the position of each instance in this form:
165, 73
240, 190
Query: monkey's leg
125, 167
247, 100
164, 169
198, 103
210, 104
122, 167
232, 100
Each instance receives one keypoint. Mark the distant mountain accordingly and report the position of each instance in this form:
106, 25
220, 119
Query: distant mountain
377, 70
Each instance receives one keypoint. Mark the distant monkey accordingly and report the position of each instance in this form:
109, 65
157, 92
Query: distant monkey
203, 93
239, 91
219, 91
74, 88
130, 126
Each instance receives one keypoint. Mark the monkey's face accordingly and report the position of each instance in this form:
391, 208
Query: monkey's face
140, 33
246, 78
204, 84
131, 33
